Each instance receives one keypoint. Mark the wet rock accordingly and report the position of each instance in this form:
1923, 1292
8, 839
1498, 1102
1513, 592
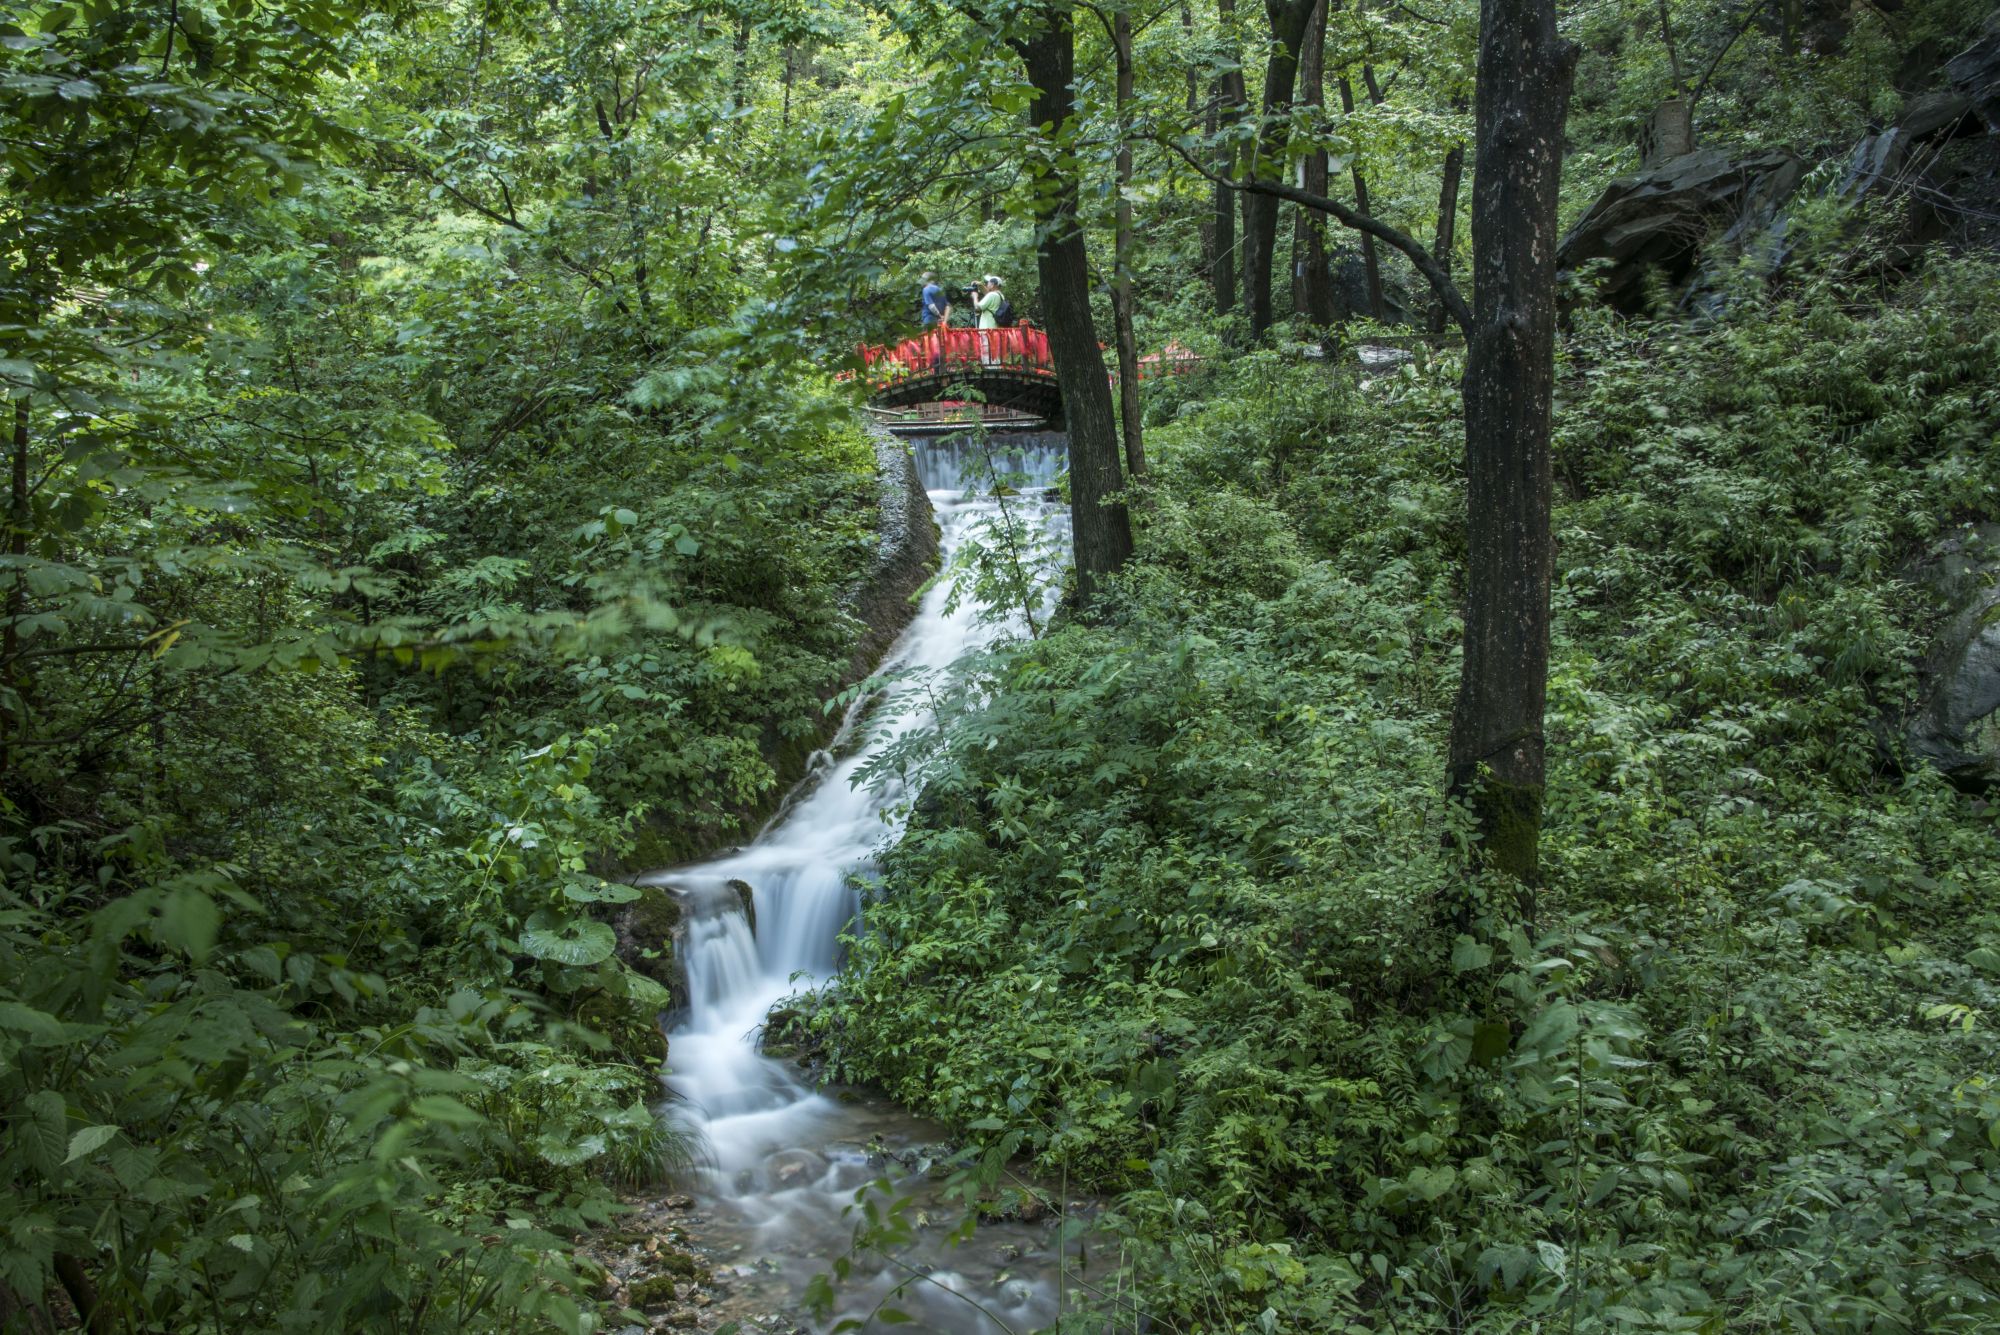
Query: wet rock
657, 1291
794, 1168
1956, 725
1016, 1293
749, 900
684, 1266
649, 932
788, 1036
905, 554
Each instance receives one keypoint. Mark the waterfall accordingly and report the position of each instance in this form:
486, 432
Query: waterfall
782, 1160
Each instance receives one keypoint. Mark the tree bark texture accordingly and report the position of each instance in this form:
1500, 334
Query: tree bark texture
1231, 97
1102, 532
1260, 212
1195, 116
1447, 233
1313, 292
18, 516
1131, 427
1521, 99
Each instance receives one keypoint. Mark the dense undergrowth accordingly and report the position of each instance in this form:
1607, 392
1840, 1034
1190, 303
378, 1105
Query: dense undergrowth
360, 607
1174, 915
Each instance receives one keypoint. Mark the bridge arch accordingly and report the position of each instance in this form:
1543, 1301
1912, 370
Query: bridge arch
1008, 369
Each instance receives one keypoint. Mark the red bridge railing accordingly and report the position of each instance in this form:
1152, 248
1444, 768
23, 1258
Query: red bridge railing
936, 350
969, 352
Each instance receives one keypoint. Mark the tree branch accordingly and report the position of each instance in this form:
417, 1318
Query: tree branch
1426, 265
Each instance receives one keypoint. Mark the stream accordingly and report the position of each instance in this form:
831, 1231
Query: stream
781, 1161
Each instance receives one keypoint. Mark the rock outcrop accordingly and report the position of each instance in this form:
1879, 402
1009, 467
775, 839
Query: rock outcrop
1662, 224
1656, 222
1975, 76
650, 932
1956, 726
906, 553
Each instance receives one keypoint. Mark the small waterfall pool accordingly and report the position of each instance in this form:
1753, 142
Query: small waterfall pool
782, 1161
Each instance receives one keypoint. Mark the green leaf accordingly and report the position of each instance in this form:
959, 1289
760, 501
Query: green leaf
88, 1141
39, 1026
44, 1130
444, 1108
1550, 1032
1429, 1183
1468, 955
603, 892
189, 921
567, 940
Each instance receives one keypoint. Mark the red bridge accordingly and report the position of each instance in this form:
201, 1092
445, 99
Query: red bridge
1009, 370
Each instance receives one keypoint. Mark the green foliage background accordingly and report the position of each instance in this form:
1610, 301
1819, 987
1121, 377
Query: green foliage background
432, 495
1172, 916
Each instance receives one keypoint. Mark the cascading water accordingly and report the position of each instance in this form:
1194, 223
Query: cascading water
783, 1161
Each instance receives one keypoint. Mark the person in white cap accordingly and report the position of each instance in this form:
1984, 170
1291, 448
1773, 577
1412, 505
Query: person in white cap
988, 307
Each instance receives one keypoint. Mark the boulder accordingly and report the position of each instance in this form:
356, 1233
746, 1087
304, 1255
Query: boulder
1930, 115
1657, 220
1975, 75
650, 931
1956, 725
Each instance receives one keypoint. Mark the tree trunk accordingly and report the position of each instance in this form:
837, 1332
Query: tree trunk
1369, 258
1101, 530
1206, 227
1231, 96
1260, 212
739, 75
14, 719
1447, 233
1522, 98
1314, 291
1121, 279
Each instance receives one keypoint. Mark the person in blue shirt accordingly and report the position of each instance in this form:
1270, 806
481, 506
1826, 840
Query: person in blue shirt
933, 306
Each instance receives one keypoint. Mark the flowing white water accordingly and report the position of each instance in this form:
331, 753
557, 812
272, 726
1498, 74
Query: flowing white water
783, 1160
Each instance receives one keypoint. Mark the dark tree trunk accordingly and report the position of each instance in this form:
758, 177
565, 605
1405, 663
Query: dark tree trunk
739, 70
17, 590
1313, 292
1102, 531
1130, 425
1521, 98
1206, 227
1230, 96
1260, 212
1447, 233
1370, 260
